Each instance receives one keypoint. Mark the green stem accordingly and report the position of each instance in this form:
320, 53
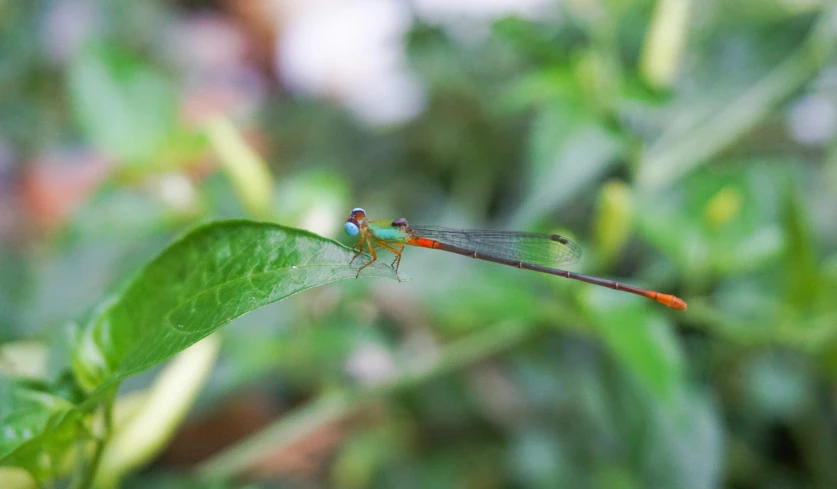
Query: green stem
86, 481
337, 405
679, 150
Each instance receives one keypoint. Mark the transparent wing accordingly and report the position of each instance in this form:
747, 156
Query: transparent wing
547, 250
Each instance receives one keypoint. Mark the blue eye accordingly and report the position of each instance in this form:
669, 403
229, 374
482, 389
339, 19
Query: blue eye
360, 209
351, 229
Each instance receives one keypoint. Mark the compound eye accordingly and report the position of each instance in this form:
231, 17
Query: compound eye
358, 214
352, 229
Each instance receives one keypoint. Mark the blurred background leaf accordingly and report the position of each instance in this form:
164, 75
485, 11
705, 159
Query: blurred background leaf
124, 108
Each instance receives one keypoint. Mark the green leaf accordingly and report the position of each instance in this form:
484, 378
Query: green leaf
804, 280
645, 345
127, 109
563, 136
37, 426
200, 283
685, 442
726, 221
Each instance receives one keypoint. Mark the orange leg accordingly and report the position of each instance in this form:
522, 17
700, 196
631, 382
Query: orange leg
373, 260
397, 261
359, 246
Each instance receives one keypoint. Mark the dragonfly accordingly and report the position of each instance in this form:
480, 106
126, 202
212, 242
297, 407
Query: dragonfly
538, 252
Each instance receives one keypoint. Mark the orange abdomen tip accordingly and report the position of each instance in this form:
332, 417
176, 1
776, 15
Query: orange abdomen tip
671, 301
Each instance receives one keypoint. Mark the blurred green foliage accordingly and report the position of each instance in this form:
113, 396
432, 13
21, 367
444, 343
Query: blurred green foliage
708, 172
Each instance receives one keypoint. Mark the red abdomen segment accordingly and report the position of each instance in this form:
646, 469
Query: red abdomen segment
424, 243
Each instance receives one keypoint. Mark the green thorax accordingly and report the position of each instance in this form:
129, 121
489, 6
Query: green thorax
385, 231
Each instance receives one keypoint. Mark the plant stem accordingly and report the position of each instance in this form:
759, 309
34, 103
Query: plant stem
86, 481
334, 406
677, 151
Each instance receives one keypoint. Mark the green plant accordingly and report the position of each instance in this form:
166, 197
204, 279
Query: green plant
203, 281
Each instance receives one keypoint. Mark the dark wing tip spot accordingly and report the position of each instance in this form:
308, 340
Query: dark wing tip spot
559, 238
